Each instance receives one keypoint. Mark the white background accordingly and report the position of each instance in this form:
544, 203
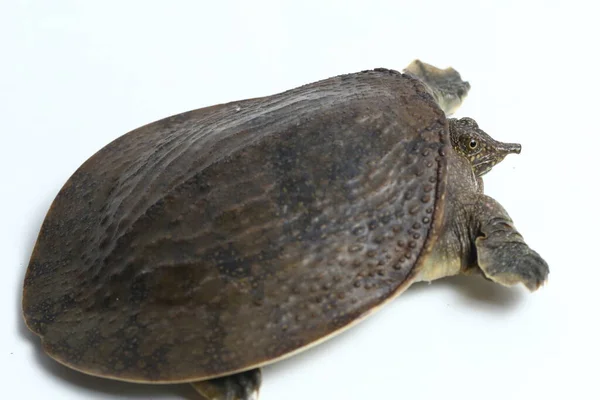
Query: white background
75, 75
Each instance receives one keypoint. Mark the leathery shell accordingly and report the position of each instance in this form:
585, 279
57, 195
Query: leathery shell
232, 236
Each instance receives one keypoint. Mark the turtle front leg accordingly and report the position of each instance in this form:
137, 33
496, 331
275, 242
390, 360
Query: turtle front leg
242, 386
502, 254
445, 85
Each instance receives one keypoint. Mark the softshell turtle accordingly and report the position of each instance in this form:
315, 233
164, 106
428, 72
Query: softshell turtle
203, 246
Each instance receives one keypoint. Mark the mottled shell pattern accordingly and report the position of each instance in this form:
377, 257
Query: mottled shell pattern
232, 236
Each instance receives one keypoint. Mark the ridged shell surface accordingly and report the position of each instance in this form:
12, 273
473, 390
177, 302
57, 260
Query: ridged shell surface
230, 236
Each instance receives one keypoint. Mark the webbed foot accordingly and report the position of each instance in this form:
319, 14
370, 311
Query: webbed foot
510, 263
502, 254
446, 86
242, 386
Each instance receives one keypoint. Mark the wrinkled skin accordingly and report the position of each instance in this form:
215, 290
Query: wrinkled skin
478, 235
200, 247
482, 151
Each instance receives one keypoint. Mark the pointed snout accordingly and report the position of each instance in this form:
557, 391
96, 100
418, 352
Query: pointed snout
510, 148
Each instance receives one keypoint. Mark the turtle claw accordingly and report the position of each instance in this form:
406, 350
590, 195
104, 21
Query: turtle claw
242, 386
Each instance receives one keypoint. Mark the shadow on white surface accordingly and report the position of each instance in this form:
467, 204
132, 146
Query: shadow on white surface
474, 292
83, 382
87, 383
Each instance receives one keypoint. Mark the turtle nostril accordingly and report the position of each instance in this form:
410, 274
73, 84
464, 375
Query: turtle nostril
510, 148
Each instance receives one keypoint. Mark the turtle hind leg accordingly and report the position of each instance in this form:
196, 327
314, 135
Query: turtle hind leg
242, 386
502, 254
446, 86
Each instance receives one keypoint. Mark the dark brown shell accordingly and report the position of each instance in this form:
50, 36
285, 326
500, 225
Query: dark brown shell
231, 236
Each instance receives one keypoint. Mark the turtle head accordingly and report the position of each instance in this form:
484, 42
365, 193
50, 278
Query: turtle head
482, 151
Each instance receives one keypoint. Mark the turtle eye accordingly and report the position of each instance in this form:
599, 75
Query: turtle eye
473, 143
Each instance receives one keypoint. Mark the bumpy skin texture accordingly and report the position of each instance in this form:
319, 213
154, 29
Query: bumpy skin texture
482, 151
227, 237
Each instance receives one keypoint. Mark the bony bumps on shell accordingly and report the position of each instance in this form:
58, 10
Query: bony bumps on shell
233, 236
